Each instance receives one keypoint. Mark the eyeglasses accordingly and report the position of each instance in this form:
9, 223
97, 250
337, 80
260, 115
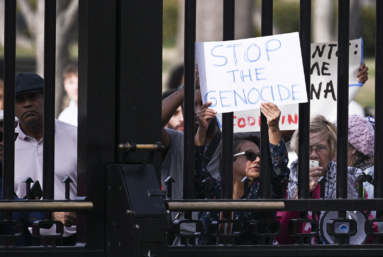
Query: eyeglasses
2, 136
251, 156
320, 149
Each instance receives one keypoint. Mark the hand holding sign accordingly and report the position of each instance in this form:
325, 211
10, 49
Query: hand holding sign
324, 76
203, 117
362, 73
272, 114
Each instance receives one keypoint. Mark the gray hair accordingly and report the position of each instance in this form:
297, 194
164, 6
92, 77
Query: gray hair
321, 129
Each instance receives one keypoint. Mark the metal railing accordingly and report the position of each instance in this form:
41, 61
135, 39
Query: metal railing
303, 203
112, 110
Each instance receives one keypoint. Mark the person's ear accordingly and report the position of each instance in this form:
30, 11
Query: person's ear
353, 151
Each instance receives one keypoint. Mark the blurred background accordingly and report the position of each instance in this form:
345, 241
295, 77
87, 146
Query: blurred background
30, 34
285, 20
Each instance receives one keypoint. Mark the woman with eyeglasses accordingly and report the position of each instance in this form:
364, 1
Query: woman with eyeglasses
323, 145
246, 163
323, 142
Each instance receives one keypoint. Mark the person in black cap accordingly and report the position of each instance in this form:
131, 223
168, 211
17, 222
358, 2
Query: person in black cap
29, 109
29, 91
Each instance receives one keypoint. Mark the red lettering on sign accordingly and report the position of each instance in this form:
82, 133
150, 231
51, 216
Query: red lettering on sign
234, 120
251, 121
283, 119
290, 119
243, 124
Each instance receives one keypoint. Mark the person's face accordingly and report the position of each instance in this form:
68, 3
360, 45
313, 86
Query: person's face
324, 158
176, 122
29, 109
243, 167
71, 87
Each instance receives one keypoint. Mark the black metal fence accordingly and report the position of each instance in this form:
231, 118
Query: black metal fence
120, 62
303, 204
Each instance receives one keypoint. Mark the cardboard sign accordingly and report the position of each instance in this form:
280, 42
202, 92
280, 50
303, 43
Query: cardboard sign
238, 75
324, 80
250, 120
323, 93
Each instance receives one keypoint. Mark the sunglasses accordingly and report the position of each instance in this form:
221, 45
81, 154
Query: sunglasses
2, 136
251, 156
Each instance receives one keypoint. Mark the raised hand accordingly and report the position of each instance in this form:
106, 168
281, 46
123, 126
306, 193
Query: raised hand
272, 114
362, 73
203, 118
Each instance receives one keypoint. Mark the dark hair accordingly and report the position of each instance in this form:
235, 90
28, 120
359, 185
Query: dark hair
360, 158
240, 138
176, 77
168, 93
70, 69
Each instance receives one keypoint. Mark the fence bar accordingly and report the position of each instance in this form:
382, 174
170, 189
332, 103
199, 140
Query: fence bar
378, 104
342, 94
265, 177
280, 250
304, 108
189, 98
304, 204
226, 206
227, 118
9, 98
55, 206
49, 98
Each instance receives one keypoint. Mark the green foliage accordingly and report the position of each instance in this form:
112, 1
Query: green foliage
368, 16
286, 15
366, 94
170, 15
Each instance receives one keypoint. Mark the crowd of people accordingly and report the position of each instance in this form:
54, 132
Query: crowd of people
29, 106
247, 163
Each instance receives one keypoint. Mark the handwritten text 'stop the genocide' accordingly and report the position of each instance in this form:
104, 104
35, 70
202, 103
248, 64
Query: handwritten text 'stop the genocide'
240, 74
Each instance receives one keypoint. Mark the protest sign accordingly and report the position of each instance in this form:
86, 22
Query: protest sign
250, 120
323, 88
238, 75
324, 81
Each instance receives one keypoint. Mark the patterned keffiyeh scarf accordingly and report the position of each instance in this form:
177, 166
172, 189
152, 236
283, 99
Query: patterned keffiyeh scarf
330, 185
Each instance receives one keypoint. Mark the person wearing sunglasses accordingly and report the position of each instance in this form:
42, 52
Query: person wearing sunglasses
246, 163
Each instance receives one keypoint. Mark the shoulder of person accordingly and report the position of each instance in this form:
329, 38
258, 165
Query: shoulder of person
174, 133
65, 128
